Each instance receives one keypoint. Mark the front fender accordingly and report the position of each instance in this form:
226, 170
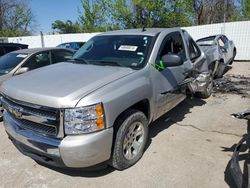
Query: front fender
121, 94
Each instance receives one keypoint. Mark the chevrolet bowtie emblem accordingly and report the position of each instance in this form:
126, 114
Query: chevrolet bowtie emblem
17, 112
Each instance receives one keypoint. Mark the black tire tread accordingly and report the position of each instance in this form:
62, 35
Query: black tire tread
117, 160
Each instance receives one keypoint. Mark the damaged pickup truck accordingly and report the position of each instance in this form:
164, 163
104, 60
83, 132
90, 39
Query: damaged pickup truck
97, 107
220, 52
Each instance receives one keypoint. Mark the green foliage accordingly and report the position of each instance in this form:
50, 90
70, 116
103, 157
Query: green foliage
16, 18
66, 27
246, 9
103, 15
10, 33
96, 16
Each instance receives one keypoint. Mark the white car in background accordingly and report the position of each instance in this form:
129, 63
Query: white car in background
220, 52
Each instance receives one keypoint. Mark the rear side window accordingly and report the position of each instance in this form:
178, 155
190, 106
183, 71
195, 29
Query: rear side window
224, 39
11, 48
173, 44
193, 49
60, 56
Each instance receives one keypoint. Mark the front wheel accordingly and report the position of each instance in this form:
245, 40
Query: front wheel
130, 140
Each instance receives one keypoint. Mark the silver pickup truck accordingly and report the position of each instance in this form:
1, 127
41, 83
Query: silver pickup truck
97, 107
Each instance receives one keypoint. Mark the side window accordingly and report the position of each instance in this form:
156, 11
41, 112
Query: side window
173, 44
224, 39
194, 51
2, 52
60, 56
11, 48
38, 60
221, 43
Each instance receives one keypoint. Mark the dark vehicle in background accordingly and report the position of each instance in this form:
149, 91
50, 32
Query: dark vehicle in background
220, 52
9, 47
21, 61
72, 45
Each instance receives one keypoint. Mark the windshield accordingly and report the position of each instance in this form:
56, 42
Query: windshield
209, 41
116, 50
9, 61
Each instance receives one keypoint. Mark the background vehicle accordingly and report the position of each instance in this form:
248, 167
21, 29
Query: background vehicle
72, 45
9, 47
98, 107
21, 61
220, 52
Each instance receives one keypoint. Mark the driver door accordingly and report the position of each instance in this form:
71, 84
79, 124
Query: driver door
168, 80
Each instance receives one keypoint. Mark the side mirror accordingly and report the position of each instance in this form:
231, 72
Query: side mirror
172, 60
22, 70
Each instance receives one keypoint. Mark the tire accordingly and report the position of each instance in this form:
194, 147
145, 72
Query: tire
234, 55
220, 71
129, 148
208, 91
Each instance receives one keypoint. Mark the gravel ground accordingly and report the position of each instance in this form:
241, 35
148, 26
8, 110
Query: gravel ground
189, 147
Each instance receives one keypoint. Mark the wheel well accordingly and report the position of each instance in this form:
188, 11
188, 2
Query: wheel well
142, 106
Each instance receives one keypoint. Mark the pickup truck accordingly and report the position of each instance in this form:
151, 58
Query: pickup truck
96, 107
220, 53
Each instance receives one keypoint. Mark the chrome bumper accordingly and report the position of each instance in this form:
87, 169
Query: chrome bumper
72, 151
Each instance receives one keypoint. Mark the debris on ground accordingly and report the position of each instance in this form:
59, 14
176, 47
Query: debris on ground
232, 84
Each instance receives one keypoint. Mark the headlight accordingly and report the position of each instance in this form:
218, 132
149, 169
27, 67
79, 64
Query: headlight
84, 119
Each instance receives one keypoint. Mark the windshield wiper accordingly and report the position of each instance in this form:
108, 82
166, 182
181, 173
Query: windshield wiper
79, 60
104, 63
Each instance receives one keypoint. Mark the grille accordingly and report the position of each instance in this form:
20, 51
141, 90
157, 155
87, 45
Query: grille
36, 118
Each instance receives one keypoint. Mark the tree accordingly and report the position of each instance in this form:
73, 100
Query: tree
148, 13
246, 9
66, 27
16, 18
213, 11
95, 15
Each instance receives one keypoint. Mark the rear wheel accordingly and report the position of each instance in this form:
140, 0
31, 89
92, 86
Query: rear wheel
220, 70
234, 54
130, 140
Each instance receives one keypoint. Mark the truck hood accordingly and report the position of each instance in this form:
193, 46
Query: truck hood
61, 85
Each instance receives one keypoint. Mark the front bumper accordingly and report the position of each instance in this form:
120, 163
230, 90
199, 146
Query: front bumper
72, 151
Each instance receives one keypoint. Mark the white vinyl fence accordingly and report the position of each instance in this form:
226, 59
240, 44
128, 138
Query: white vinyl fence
51, 40
239, 32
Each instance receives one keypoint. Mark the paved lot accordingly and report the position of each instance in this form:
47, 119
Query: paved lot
186, 149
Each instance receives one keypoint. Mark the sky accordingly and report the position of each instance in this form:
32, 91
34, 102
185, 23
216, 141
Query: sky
48, 11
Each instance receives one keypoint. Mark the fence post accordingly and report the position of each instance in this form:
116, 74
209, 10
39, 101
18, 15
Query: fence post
42, 39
